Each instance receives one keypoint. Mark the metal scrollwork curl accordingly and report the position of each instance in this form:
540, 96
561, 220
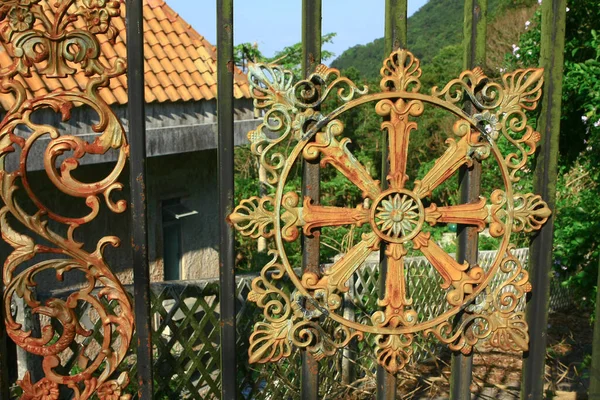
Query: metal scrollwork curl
57, 42
295, 129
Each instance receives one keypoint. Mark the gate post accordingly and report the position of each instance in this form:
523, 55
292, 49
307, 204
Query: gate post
396, 35
475, 28
540, 260
137, 183
227, 298
311, 56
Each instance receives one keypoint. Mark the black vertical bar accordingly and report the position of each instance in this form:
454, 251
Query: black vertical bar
475, 26
311, 56
540, 253
137, 182
225, 69
396, 35
4, 357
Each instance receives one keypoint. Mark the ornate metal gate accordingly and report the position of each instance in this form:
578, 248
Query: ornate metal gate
62, 40
396, 215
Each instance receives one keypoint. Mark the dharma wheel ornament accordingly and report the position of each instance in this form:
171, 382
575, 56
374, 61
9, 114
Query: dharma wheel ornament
398, 216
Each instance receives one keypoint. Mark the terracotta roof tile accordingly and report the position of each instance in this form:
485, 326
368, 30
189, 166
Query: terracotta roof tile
155, 65
167, 65
207, 93
166, 26
159, 52
151, 80
170, 52
184, 93
194, 91
155, 25
164, 80
180, 63
187, 78
163, 40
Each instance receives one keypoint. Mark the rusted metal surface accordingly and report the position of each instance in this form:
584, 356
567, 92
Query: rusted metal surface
55, 47
225, 63
137, 184
396, 215
469, 179
552, 47
396, 37
311, 191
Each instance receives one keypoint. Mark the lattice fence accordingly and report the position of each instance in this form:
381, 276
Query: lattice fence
186, 336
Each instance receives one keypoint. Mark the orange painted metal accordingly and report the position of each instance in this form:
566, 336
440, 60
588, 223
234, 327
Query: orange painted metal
55, 42
396, 216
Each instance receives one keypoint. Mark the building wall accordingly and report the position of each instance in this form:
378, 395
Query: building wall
189, 175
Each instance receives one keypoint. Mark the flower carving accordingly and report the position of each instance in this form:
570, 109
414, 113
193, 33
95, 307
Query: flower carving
20, 19
397, 215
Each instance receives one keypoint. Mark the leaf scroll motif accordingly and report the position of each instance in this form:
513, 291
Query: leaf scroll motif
531, 212
401, 72
394, 351
252, 218
23, 245
270, 342
522, 89
62, 42
300, 131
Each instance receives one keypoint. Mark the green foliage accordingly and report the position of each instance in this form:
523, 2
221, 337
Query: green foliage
289, 57
436, 25
576, 243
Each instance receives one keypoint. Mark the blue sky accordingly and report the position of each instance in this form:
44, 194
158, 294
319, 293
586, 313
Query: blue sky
274, 24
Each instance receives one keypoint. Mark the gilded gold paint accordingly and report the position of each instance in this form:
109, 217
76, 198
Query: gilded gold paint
395, 216
56, 41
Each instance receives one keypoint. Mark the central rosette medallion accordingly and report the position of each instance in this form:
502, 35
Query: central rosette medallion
397, 215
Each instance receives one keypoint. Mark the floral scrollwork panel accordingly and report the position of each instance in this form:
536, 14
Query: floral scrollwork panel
295, 128
56, 39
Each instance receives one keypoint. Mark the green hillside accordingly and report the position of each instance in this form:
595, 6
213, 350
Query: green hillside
439, 23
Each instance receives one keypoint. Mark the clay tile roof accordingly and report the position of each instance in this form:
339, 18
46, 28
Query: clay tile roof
180, 63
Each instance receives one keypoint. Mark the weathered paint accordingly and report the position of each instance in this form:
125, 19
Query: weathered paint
137, 179
311, 57
225, 118
396, 37
540, 261
4, 359
475, 31
475, 26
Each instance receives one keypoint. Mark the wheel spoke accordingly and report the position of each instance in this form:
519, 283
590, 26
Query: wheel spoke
335, 278
316, 216
399, 128
396, 299
453, 273
336, 153
476, 213
455, 156
450, 270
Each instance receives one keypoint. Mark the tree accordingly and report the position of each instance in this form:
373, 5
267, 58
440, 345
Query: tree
289, 57
576, 242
